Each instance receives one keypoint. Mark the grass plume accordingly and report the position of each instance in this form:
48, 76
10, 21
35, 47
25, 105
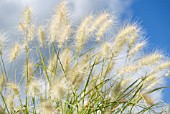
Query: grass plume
73, 76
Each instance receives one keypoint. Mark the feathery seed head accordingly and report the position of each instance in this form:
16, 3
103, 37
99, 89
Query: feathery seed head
15, 88
65, 58
125, 82
121, 38
85, 24
47, 107
127, 69
10, 101
28, 69
100, 19
15, 52
31, 32
134, 34
132, 39
65, 33
52, 63
62, 12
150, 59
75, 77
128, 32
109, 68
53, 30
59, 26
27, 16
59, 89
105, 49
75, 80
34, 87
150, 78
136, 48
103, 28
152, 85
162, 66
83, 66
118, 45
83, 33
41, 36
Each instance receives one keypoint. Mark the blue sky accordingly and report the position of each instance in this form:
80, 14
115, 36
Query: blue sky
154, 16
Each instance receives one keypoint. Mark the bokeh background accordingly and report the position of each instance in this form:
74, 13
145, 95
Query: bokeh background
153, 16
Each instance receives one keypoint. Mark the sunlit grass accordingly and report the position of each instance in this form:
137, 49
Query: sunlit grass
77, 72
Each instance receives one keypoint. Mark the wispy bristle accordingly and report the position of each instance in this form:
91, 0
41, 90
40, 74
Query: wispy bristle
100, 19
15, 52
82, 33
105, 49
136, 48
162, 66
14, 88
150, 59
65, 59
59, 25
103, 28
59, 89
10, 101
64, 36
52, 63
34, 88
122, 37
31, 33
28, 69
47, 107
27, 16
128, 69
41, 36
150, 78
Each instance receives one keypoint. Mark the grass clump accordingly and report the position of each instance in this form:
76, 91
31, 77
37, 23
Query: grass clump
77, 72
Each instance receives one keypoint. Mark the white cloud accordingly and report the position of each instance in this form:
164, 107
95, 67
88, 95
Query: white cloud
11, 10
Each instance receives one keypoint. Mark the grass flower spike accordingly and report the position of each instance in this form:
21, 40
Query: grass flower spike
15, 52
91, 67
83, 33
